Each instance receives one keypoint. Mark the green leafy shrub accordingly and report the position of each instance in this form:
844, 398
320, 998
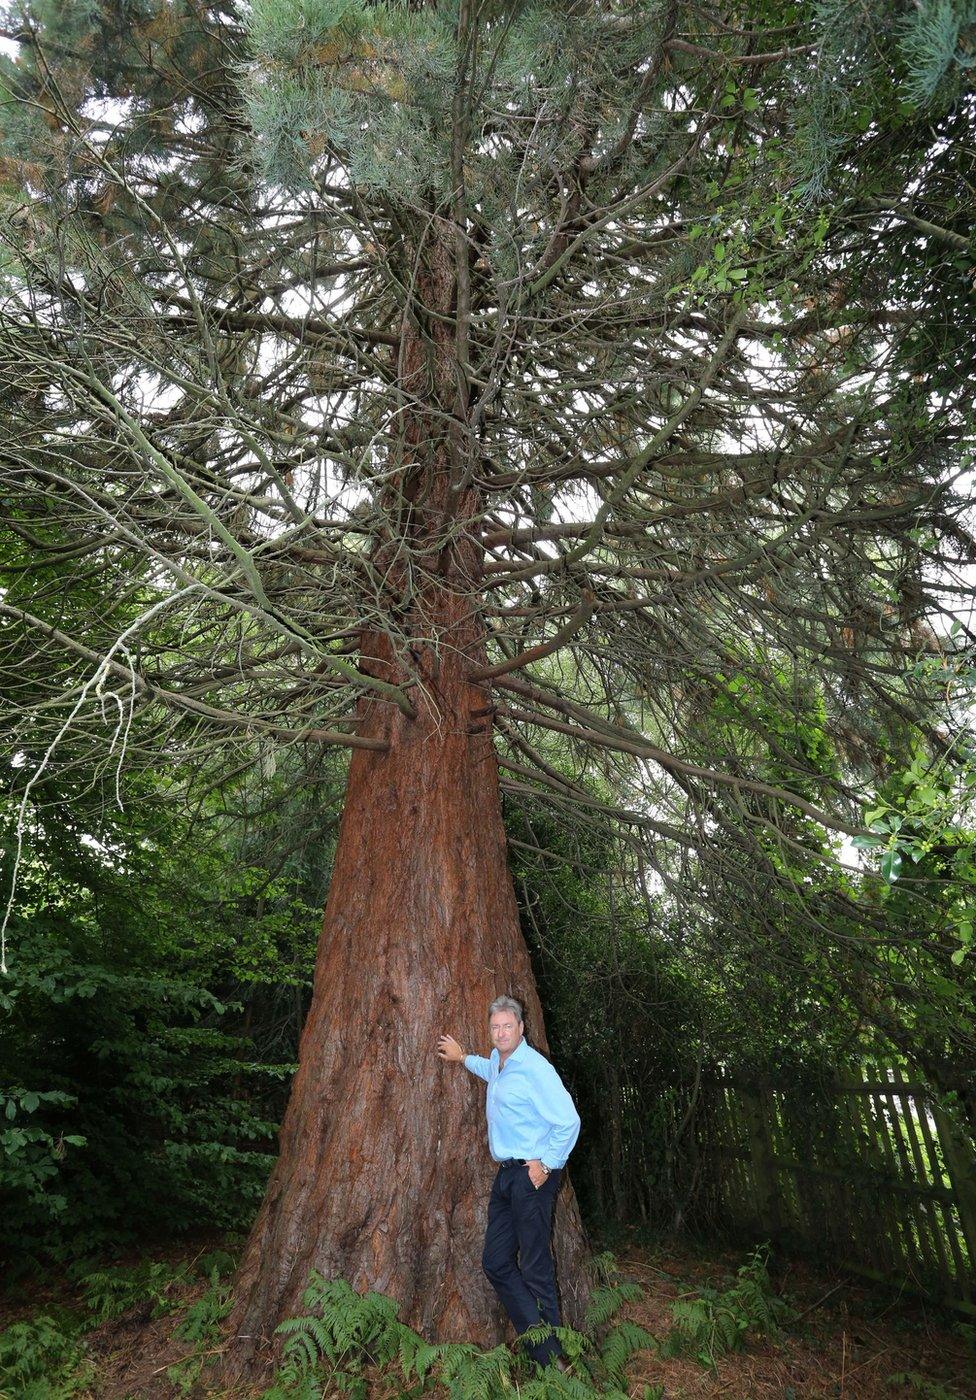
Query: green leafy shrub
132, 968
342, 1332
712, 1323
42, 1359
32, 1154
619, 1344
161, 1287
203, 1318
46, 1358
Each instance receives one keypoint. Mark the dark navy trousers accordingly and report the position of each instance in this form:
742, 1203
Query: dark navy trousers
517, 1258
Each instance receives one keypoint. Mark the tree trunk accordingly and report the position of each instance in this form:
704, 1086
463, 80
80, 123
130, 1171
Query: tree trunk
384, 1172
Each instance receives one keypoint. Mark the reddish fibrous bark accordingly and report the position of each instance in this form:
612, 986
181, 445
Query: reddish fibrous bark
383, 1173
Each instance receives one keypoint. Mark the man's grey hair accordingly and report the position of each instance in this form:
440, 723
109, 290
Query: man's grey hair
506, 1004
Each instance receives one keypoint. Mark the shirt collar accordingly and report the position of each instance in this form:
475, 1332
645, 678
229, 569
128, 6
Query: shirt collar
517, 1054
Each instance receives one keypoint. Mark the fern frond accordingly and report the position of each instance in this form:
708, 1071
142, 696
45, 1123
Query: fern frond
416, 1356
604, 1302
714, 1323
620, 1345
603, 1267
551, 1384
481, 1375
301, 1352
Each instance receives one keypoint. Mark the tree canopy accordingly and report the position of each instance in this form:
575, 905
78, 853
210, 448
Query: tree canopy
632, 340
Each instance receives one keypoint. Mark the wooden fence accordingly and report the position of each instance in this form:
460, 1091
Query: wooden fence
871, 1173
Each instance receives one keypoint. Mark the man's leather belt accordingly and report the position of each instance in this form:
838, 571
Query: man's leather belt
513, 1162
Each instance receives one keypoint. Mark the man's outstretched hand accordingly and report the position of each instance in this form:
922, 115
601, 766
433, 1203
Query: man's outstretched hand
448, 1049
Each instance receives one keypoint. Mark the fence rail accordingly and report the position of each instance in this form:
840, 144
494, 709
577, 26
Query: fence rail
873, 1173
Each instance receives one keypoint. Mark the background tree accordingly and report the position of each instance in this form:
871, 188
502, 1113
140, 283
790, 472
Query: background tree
148, 1025
473, 373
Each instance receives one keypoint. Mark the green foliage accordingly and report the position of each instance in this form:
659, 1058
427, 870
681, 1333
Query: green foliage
921, 826
874, 58
937, 37
111, 1292
286, 31
46, 1358
551, 1384
30, 1155
620, 1343
202, 1326
346, 1335
159, 1288
605, 1302
469, 1374
155, 992
619, 1346
603, 1268
43, 1359
372, 81
374, 85
914, 1384
344, 1323
203, 1318
711, 1323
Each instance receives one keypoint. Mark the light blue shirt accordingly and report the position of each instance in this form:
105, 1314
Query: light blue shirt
530, 1112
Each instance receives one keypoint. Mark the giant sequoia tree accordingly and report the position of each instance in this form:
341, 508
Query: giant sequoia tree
430, 379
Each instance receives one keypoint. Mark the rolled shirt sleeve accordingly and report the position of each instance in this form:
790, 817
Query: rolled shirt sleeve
478, 1065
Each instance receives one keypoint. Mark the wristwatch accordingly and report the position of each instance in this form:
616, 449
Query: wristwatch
546, 1169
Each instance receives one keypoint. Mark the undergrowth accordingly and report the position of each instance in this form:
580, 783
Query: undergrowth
711, 1323
44, 1359
345, 1342
344, 1338
920, 1385
49, 1357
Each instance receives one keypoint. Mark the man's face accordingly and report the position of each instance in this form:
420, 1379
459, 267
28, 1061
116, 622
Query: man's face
506, 1032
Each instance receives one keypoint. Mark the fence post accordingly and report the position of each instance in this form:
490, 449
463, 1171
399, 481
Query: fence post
763, 1159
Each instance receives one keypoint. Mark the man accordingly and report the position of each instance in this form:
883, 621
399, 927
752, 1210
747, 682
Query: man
532, 1128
